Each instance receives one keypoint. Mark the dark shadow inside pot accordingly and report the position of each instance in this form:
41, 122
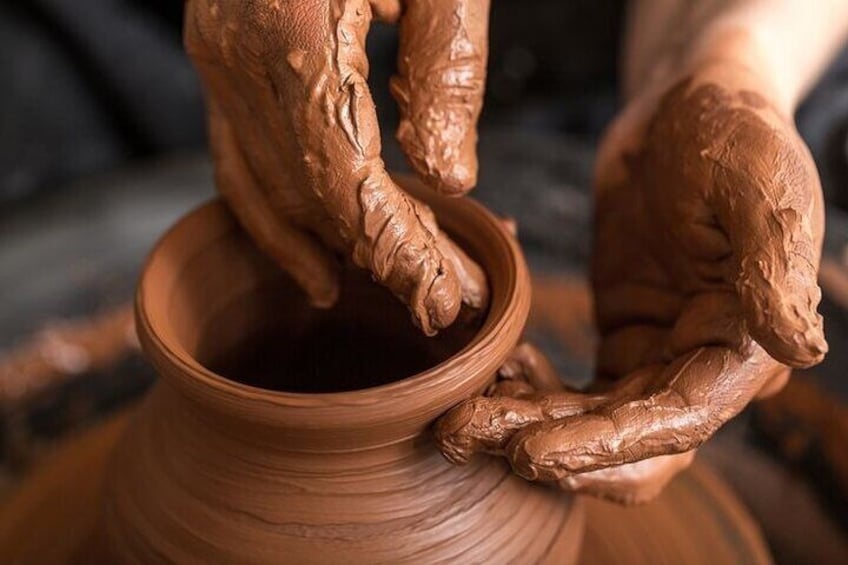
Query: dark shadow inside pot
221, 321
268, 336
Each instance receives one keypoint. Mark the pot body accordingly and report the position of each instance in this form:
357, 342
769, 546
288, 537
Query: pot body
186, 489
215, 470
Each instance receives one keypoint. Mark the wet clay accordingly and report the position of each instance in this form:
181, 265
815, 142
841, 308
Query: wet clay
707, 242
296, 143
214, 470
529, 391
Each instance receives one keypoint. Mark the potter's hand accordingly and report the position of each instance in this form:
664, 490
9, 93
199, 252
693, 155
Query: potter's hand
708, 233
297, 148
528, 391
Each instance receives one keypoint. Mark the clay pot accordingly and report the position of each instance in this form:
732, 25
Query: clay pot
230, 465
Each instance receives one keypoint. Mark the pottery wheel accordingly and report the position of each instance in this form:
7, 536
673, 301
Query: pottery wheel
696, 520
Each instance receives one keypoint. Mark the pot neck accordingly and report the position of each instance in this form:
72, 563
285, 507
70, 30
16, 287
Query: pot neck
395, 414
302, 445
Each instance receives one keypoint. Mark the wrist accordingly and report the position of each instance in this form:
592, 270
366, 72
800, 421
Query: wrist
732, 53
747, 56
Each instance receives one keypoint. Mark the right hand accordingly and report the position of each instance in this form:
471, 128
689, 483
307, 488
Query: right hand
528, 391
708, 232
296, 143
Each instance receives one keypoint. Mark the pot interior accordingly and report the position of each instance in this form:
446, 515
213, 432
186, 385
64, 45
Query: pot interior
213, 313
266, 335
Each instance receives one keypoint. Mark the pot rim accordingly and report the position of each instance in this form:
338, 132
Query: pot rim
406, 405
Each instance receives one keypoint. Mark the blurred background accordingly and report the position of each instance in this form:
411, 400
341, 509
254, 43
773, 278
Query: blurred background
102, 147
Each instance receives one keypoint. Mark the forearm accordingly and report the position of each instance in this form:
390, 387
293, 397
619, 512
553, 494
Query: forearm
787, 42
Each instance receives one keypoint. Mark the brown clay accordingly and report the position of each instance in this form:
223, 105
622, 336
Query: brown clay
529, 391
214, 470
696, 519
708, 235
64, 349
296, 143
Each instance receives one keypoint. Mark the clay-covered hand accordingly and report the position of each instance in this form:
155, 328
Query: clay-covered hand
529, 391
296, 143
709, 225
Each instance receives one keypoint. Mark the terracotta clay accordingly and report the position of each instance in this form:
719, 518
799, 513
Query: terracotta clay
64, 349
214, 470
297, 148
696, 520
708, 235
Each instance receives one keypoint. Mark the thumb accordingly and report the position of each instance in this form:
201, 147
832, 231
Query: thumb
770, 205
439, 88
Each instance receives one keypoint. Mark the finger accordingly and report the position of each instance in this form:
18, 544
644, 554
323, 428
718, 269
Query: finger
770, 207
472, 279
633, 483
439, 88
775, 384
487, 424
399, 244
630, 386
510, 225
322, 86
528, 363
308, 263
687, 402
526, 372
513, 388
482, 424
386, 10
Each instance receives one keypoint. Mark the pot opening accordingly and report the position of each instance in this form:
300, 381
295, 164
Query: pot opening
221, 321
270, 337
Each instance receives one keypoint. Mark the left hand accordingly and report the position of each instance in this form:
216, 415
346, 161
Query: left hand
296, 142
708, 234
